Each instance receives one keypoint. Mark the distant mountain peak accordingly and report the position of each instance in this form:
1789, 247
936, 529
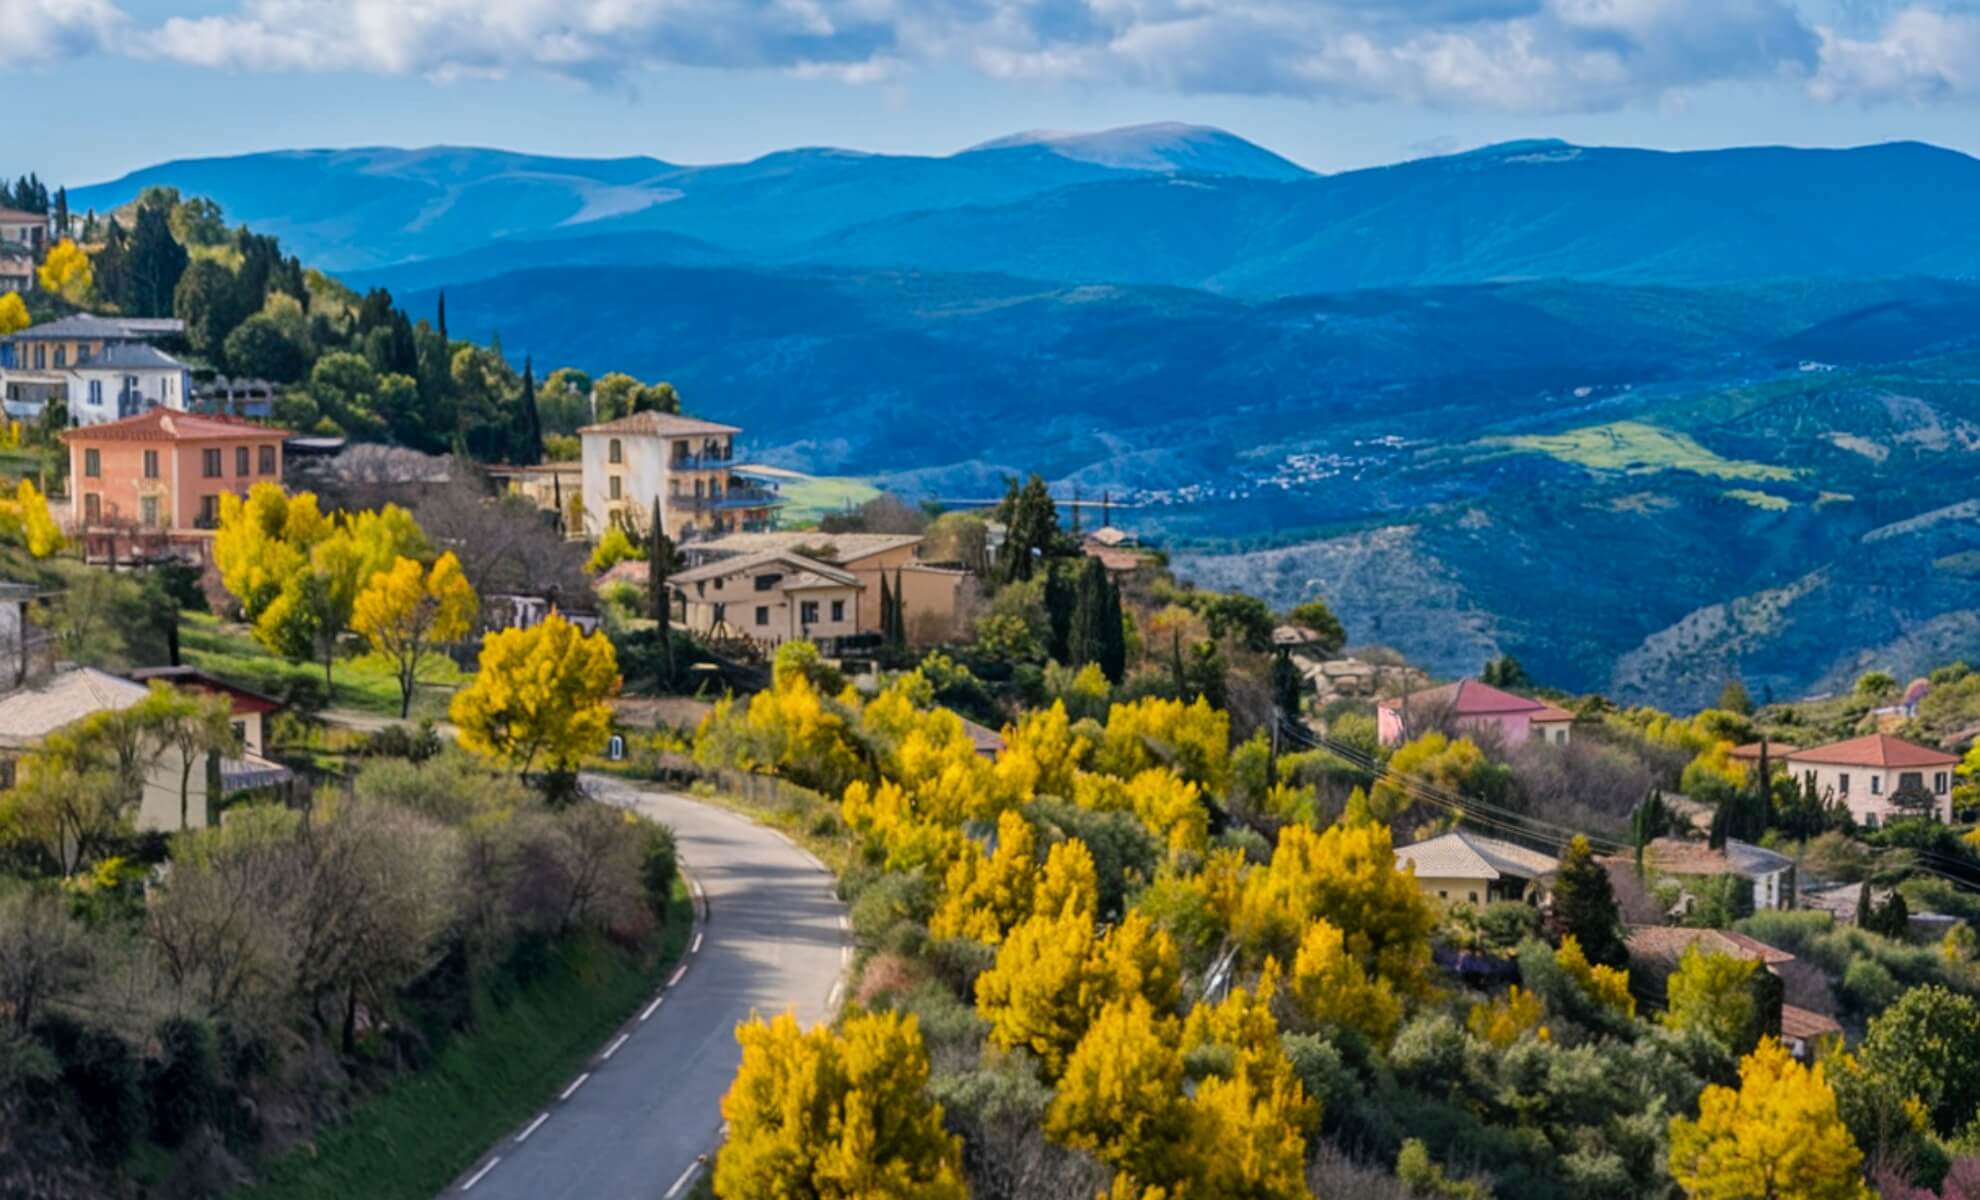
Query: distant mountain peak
1162, 147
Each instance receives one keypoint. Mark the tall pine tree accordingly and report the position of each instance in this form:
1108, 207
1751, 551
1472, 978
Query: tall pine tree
1585, 905
526, 447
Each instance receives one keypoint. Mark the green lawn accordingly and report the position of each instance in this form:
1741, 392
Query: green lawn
1758, 499
429, 1127
1635, 447
809, 497
366, 683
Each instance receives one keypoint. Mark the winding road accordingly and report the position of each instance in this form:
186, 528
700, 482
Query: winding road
635, 1124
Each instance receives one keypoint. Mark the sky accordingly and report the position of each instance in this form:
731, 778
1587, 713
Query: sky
112, 85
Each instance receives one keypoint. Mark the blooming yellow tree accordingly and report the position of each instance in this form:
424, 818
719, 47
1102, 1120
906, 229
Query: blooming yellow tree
840, 1115
67, 272
403, 611
1328, 987
317, 598
540, 695
985, 895
1504, 1021
1713, 993
1055, 972
1777, 1136
1347, 876
26, 519
1607, 986
13, 314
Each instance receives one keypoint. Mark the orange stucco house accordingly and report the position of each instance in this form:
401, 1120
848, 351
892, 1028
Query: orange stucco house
157, 478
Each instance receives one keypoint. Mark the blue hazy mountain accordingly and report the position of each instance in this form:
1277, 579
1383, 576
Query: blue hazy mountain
373, 207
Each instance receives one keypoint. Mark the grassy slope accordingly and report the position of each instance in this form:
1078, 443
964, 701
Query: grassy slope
1634, 446
365, 684
415, 1138
814, 496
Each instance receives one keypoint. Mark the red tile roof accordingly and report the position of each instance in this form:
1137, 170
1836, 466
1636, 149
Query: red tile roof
1806, 1025
1875, 750
1669, 942
1750, 752
170, 425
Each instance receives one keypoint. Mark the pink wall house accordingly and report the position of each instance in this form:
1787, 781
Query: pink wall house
1475, 707
165, 470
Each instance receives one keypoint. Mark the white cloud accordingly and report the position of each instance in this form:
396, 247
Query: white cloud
1918, 55
1540, 56
41, 31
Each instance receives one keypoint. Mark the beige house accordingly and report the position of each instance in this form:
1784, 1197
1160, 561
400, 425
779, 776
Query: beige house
29, 715
686, 464
1469, 868
938, 597
1874, 777
773, 597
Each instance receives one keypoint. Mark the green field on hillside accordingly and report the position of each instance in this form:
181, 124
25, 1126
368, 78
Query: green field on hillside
810, 497
1634, 447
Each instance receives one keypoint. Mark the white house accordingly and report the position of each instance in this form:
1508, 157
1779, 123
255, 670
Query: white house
103, 368
686, 464
1873, 776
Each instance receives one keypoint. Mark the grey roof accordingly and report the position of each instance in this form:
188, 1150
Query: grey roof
131, 356
722, 568
845, 547
30, 714
1749, 859
81, 325
1462, 855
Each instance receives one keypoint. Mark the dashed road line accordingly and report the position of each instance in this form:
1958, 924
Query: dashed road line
683, 1180
652, 1008
524, 1135
485, 1169
678, 972
614, 1047
838, 988
696, 948
575, 1085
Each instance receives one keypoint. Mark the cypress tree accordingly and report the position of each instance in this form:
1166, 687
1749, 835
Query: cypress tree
1085, 640
900, 610
440, 315
886, 609
529, 430
1866, 909
1585, 905
1113, 636
1059, 601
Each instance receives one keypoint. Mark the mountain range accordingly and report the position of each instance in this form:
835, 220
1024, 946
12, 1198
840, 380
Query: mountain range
1644, 419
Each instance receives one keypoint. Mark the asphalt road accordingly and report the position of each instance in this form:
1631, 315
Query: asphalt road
649, 1105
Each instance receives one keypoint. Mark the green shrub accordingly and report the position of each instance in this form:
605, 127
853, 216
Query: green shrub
1869, 987
659, 866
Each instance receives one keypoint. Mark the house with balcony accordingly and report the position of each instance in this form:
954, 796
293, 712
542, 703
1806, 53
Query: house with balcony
688, 465
101, 368
1469, 706
150, 485
26, 230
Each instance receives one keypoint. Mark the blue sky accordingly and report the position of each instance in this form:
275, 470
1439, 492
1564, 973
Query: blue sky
117, 84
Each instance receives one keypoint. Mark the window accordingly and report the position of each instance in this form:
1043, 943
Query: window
61, 356
838, 610
267, 464
1939, 783
613, 487
240, 731
240, 460
209, 511
1560, 737
209, 462
808, 612
1442, 894
148, 508
762, 614
92, 508
41, 356
1474, 897
96, 392
93, 464
1911, 781
615, 453
1842, 784
1876, 785
151, 464
766, 582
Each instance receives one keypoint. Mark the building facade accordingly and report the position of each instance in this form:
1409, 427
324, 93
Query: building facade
938, 598
686, 464
163, 472
101, 368
770, 598
1879, 776
1473, 707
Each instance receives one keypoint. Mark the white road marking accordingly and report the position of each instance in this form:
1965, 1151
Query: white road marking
683, 1180
843, 923
845, 954
614, 1047
485, 1169
696, 948
678, 972
524, 1135
832, 1001
575, 1085
651, 1008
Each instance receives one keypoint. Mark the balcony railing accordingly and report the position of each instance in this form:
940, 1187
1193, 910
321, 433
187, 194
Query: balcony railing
734, 498
699, 462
